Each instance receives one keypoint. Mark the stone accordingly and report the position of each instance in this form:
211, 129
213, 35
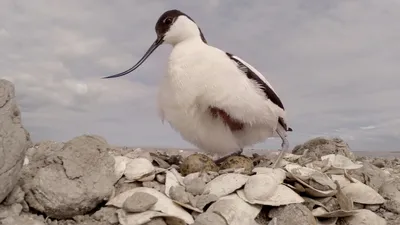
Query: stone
14, 139
10, 211
209, 218
156, 221
391, 192
196, 163
139, 202
179, 194
321, 146
16, 196
196, 186
74, 180
22, 220
369, 175
160, 178
107, 214
290, 214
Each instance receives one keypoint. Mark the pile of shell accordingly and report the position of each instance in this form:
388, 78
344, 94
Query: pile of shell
197, 192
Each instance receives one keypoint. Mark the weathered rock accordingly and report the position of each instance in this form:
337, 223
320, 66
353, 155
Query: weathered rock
196, 163
209, 218
10, 211
321, 146
80, 176
290, 214
369, 175
23, 220
139, 202
14, 139
179, 194
391, 192
196, 186
107, 214
16, 196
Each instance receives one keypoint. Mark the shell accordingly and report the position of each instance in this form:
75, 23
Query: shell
365, 217
303, 174
358, 192
235, 211
164, 204
323, 213
225, 184
120, 165
140, 218
341, 162
138, 168
278, 174
327, 221
170, 181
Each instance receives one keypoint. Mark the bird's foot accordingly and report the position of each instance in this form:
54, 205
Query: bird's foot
285, 147
223, 158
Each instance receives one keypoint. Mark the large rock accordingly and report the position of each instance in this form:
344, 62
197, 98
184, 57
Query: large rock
321, 146
14, 139
70, 180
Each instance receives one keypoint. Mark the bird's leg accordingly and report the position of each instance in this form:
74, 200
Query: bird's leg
223, 158
285, 147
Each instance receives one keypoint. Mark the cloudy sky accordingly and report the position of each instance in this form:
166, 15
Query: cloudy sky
335, 65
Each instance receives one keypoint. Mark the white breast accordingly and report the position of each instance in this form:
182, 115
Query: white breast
200, 76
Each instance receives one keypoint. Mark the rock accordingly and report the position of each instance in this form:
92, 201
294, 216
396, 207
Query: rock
10, 211
107, 214
196, 163
203, 200
156, 221
78, 178
369, 175
22, 220
155, 185
196, 186
160, 178
123, 186
16, 196
238, 162
321, 146
391, 192
209, 218
139, 202
293, 214
14, 139
380, 163
179, 194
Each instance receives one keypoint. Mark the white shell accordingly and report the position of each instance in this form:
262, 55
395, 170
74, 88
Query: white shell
138, 168
139, 218
365, 217
170, 181
341, 162
164, 204
302, 174
323, 213
120, 165
278, 174
225, 184
235, 210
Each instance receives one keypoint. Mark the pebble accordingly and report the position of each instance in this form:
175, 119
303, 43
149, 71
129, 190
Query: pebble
139, 202
196, 186
160, 178
179, 194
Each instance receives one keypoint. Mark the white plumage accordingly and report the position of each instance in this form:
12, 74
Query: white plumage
214, 99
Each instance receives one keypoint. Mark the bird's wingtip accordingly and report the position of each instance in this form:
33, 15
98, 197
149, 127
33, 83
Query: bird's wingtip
290, 129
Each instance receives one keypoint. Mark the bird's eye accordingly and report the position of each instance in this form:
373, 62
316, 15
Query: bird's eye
168, 20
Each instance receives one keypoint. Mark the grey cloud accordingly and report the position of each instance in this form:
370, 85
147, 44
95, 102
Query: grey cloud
334, 64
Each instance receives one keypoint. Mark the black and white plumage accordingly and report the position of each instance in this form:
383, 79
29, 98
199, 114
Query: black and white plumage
214, 99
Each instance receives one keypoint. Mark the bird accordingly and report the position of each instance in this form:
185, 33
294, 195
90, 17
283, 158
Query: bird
214, 99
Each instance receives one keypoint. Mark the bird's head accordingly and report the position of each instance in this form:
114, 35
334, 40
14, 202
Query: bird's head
172, 27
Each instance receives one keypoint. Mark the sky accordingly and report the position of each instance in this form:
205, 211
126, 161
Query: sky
335, 65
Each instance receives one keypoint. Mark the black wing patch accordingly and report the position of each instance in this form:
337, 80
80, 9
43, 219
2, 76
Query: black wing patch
269, 93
